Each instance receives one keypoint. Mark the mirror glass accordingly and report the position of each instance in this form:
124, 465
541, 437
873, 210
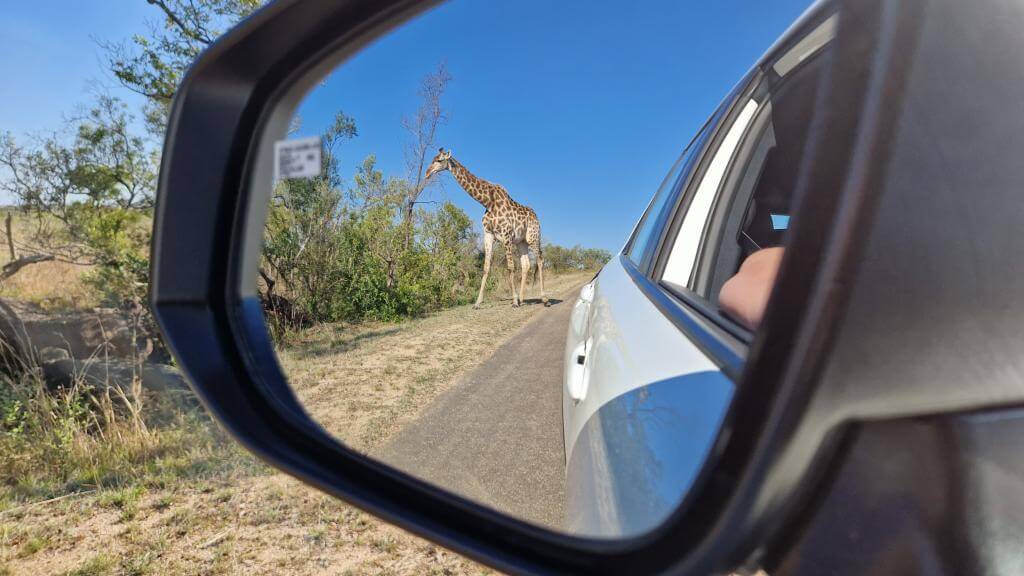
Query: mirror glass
501, 237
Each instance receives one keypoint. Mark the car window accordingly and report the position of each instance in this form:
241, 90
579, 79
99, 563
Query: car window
642, 237
740, 202
683, 256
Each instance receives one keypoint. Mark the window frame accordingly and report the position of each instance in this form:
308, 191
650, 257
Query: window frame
723, 341
686, 236
738, 187
667, 187
682, 191
759, 85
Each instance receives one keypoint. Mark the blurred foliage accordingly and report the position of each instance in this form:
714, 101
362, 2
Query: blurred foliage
337, 247
560, 259
95, 435
154, 64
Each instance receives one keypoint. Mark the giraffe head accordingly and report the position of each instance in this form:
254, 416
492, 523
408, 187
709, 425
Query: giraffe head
440, 163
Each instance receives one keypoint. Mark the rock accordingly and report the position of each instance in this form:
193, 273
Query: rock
52, 354
162, 377
108, 330
59, 373
102, 332
15, 342
65, 372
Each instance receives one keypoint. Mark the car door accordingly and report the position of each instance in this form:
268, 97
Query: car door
643, 401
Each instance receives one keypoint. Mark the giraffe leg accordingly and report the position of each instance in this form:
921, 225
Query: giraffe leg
540, 271
510, 263
524, 265
488, 248
533, 239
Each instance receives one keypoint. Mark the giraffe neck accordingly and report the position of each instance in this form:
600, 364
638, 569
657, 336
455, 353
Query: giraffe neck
481, 190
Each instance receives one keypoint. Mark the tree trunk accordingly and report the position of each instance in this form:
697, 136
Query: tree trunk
12, 268
407, 223
10, 237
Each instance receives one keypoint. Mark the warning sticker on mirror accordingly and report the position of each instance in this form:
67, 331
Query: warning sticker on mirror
297, 158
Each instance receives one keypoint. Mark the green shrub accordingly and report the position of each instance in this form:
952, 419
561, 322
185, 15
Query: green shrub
86, 437
342, 255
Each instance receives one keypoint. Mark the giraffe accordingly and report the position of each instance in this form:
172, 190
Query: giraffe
505, 220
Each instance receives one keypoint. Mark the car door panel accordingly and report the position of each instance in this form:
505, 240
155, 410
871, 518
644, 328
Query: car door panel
652, 407
637, 456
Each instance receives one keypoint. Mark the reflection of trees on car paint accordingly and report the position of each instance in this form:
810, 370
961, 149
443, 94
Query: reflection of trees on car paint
647, 447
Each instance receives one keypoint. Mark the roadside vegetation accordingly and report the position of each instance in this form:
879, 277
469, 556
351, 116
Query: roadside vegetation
108, 464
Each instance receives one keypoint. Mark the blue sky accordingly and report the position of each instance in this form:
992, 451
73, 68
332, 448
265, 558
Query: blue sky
50, 62
578, 108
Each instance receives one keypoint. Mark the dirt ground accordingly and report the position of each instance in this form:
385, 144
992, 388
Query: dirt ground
362, 383
261, 525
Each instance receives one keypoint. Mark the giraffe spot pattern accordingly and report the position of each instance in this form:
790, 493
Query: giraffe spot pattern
514, 225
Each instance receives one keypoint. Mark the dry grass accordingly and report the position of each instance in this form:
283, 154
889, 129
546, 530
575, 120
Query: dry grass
180, 498
171, 494
50, 285
261, 525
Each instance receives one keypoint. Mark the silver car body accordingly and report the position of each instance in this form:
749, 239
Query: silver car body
640, 411
644, 396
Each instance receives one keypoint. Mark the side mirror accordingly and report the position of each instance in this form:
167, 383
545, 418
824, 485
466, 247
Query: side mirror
793, 415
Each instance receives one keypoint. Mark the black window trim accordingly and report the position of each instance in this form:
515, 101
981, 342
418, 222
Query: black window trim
752, 87
750, 148
720, 339
756, 85
723, 348
705, 137
723, 340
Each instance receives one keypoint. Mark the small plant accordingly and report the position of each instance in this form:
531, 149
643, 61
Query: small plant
164, 502
269, 515
384, 544
317, 536
137, 565
124, 499
99, 565
32, 545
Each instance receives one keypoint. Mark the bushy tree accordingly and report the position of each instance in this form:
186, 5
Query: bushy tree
448, 237
90, 192
341, 256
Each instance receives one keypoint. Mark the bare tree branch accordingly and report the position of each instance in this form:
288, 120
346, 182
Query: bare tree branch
195, 32
422, 128
12, 268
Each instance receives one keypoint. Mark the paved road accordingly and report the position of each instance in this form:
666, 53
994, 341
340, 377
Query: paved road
496, 436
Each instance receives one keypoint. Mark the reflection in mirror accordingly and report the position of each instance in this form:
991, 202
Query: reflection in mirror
443, 271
